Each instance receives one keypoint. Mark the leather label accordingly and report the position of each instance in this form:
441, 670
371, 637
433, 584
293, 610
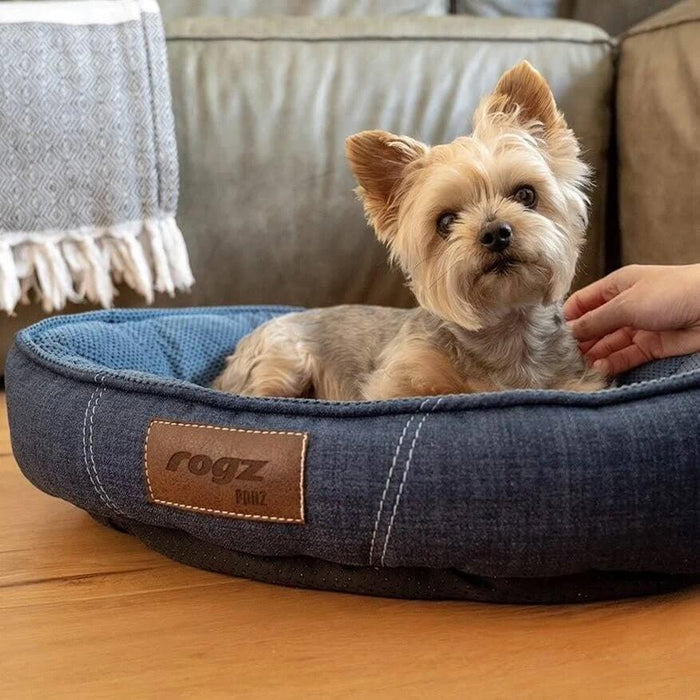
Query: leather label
228, 472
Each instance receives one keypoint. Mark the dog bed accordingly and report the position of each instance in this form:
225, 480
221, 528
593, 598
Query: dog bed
518, 496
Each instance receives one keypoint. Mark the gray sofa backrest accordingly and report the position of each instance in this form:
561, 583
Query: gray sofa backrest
313, 8
613, 16
263, 107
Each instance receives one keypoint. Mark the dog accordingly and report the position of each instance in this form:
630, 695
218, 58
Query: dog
487, 230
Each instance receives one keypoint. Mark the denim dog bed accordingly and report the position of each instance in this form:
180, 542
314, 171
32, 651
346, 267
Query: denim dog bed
519, 496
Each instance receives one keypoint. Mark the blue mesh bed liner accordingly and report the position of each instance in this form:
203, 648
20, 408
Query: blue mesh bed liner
186, 348
519, 496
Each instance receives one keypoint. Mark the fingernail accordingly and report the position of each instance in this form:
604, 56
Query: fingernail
600, 365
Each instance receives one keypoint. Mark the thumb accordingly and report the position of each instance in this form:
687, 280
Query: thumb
607, 318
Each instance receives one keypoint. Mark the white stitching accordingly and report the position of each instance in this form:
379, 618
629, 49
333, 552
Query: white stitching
85, 449
145, 460
251, 516
386, 487
109, 501
403, 479
388, 481
304, 441
248, 516
88, 449
218, 427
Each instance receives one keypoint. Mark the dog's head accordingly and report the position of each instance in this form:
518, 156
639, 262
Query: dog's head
489, 222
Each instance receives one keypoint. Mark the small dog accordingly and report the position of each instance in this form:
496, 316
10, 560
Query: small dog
487, 230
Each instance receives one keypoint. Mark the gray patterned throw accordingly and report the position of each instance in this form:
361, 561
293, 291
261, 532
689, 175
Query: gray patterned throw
88, 164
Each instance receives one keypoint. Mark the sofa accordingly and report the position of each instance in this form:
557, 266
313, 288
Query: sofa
263, 104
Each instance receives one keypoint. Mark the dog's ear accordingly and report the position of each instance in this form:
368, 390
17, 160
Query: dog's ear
522, 92
378, 160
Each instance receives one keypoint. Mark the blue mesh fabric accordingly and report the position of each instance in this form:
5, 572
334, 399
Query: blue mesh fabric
190, 345
654, 370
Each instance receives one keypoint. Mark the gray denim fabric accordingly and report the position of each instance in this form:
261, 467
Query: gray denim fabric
512, 485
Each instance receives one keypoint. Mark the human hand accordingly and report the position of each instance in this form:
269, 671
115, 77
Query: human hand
637, 314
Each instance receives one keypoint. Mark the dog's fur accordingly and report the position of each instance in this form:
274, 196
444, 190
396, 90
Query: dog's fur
487, 320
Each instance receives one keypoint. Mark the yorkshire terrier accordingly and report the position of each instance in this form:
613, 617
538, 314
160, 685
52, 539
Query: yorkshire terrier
487, 230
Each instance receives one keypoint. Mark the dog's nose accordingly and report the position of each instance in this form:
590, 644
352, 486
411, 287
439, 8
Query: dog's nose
497, 236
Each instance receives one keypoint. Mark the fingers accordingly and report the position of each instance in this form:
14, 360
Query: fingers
621, 361
582, 301
599, 349
602, 291
592, 296
626, 348
603, 320
587, 345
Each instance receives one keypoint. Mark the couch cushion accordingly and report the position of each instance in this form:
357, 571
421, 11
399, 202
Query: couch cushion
314, 8
262, 109
617, 16
514, 8
614, 17
658, 103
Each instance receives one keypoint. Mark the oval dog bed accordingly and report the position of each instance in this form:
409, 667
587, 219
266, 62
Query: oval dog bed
519, 496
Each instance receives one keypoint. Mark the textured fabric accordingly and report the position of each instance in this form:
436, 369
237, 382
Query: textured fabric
523, 484
314, 8
658, 103
88, 164
618, 16
398, 582
613, 17
515, 8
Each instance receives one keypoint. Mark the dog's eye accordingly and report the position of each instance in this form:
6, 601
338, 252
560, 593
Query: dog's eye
526, 196
444, 223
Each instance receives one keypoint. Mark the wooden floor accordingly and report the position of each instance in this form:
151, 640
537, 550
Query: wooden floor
86, 612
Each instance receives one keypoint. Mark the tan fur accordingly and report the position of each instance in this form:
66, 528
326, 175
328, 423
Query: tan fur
378, 163
523, 91
418, 370
482, 324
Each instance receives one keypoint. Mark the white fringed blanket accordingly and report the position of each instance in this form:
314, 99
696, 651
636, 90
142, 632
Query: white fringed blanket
88, 163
